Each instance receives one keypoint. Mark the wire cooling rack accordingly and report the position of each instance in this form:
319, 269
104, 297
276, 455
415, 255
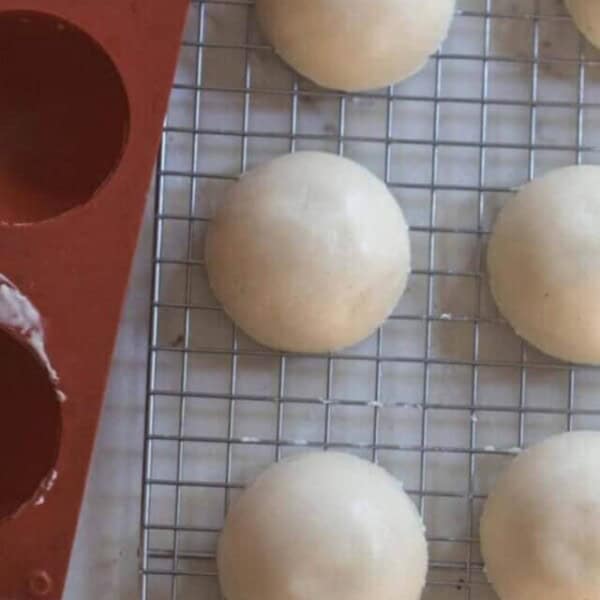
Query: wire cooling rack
444, 394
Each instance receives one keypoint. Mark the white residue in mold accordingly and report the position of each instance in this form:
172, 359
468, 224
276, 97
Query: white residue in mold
50, 481
474, 418
490, 448
446, 317
20, 315
45, 488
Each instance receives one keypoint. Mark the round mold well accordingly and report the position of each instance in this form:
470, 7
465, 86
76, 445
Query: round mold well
64, 117
30, 424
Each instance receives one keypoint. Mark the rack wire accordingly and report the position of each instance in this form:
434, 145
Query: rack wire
445, 393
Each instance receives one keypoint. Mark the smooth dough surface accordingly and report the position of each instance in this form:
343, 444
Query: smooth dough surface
586, 14
544, 263
540, 531
308, 253
355, 45
323, 526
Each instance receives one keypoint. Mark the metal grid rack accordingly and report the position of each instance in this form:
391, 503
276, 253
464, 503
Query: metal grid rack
444, 394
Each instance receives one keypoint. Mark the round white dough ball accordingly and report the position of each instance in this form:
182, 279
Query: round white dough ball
308, 253
540, 531
323, 526
544, 263
355, 45
586, 14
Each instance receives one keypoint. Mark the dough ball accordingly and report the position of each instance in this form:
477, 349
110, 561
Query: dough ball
544, 263
323, 526
356, 45
586, 14
540, 531
308, 253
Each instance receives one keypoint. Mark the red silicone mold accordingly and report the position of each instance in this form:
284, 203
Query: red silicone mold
84, 86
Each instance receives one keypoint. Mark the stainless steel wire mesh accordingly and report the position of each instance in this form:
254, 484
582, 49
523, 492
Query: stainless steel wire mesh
445, 393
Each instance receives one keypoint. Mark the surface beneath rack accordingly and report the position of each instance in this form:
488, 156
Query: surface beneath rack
445, 394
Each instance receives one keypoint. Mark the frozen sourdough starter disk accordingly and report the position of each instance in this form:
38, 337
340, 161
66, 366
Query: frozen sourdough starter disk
540, 531
308, 253
544, 263
355, 44
323, 526
586, 14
